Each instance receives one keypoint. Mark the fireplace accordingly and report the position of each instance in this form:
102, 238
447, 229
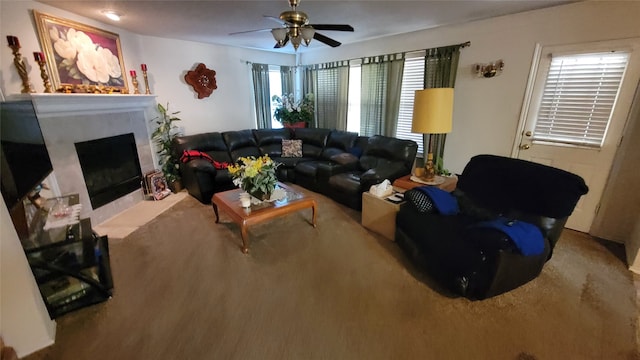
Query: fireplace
110, 167
69, 119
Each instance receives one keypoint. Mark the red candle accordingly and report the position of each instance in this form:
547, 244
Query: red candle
13, 40
133, 73
38, 56
143, 67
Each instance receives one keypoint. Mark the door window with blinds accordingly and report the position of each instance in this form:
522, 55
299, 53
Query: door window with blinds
578, 98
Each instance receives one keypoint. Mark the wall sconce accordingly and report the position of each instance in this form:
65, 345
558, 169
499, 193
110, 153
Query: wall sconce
489, 70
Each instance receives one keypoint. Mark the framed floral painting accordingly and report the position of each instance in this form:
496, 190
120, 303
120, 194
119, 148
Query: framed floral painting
79, 54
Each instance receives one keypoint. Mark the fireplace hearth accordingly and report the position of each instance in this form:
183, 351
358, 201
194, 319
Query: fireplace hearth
110, 167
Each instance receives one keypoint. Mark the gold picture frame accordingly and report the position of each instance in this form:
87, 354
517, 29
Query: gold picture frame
81, 56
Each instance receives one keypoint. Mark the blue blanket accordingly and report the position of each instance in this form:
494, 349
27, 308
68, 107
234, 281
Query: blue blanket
444, 202
527, 237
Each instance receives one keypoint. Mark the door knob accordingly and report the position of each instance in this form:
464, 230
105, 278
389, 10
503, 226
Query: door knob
525, 146
527, 134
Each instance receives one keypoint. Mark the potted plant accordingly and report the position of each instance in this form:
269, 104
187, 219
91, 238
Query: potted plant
292, 113
163, 137
257, 176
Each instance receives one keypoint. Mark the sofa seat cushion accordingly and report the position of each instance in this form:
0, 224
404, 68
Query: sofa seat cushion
308, 168
289, 162
223, 176
347, 182
344, 158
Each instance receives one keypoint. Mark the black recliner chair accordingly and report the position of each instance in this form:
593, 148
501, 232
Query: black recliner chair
481, 262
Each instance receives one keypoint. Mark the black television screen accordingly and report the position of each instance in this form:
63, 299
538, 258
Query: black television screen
24, 158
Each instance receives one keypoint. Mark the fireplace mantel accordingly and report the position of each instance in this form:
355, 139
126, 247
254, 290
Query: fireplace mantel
55, 105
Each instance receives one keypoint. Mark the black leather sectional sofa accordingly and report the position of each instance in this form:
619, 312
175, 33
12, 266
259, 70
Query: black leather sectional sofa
336, 163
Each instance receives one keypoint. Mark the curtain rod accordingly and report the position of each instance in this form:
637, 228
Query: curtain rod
462, 46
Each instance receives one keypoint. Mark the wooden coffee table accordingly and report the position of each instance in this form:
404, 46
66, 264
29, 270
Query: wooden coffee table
229, 202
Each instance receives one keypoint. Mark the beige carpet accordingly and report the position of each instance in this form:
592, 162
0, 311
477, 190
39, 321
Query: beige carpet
183, 290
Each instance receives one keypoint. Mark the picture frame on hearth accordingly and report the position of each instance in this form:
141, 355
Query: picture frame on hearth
79, 57
159, 187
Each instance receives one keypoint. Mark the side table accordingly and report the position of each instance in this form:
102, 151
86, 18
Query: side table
379, 214
405, 183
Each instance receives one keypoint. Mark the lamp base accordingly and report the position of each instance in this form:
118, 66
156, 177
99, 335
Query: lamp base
429, 169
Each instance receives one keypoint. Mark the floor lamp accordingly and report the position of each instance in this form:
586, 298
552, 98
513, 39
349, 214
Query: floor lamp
432, 114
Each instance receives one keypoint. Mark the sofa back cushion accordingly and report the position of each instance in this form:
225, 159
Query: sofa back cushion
210, 143
383, 150
338, 142
241, 143
313, 141
270, 140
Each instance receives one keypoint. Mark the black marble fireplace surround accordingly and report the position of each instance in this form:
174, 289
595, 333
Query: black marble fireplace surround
110, 167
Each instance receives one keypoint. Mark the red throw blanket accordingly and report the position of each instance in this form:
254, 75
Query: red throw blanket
195, 154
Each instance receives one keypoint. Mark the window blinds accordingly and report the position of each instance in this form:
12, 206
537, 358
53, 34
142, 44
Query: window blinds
412, 80
578, 98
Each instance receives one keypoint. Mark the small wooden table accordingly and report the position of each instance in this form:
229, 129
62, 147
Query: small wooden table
229, 202
405, 183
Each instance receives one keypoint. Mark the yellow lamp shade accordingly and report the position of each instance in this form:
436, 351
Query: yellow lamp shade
433, 111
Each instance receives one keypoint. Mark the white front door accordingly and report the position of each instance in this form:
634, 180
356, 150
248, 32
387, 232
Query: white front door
592, 162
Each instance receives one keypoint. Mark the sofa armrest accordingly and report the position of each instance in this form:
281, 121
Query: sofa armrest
379, 174
199, 165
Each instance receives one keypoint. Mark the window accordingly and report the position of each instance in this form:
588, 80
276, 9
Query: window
578, 98
412, 80
353, 113
275, 88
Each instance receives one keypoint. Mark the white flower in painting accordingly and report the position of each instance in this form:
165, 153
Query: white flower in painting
80, 40
65, 49
93, 65
53, 34
113, 64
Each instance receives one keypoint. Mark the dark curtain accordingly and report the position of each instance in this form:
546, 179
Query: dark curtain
380, 94
287, 77
262, 100
440, 68
331, 83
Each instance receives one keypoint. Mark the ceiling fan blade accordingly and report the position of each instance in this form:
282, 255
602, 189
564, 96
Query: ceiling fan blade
326, 40
332, 27
248, 31
276, 19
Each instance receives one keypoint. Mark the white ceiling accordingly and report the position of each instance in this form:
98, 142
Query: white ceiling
211, 21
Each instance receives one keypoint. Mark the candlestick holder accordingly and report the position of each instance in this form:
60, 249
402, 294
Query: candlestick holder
134, 81
146, 82
22, 69
44, 76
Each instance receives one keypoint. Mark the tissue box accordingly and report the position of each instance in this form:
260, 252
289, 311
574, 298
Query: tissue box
381, 190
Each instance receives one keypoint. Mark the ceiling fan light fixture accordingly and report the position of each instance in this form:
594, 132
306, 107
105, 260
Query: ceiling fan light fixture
279, 34
307, 33
295, 41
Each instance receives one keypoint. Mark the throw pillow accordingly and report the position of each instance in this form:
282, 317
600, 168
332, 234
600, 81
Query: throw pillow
291, 148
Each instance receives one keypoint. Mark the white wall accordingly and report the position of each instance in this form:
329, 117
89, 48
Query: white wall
230, 107
486, 111
24, 322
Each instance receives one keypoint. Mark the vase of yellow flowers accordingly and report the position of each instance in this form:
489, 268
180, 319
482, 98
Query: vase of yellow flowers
290, 111
257, 176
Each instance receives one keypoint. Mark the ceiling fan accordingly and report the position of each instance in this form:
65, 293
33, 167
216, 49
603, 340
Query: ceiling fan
296, 28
